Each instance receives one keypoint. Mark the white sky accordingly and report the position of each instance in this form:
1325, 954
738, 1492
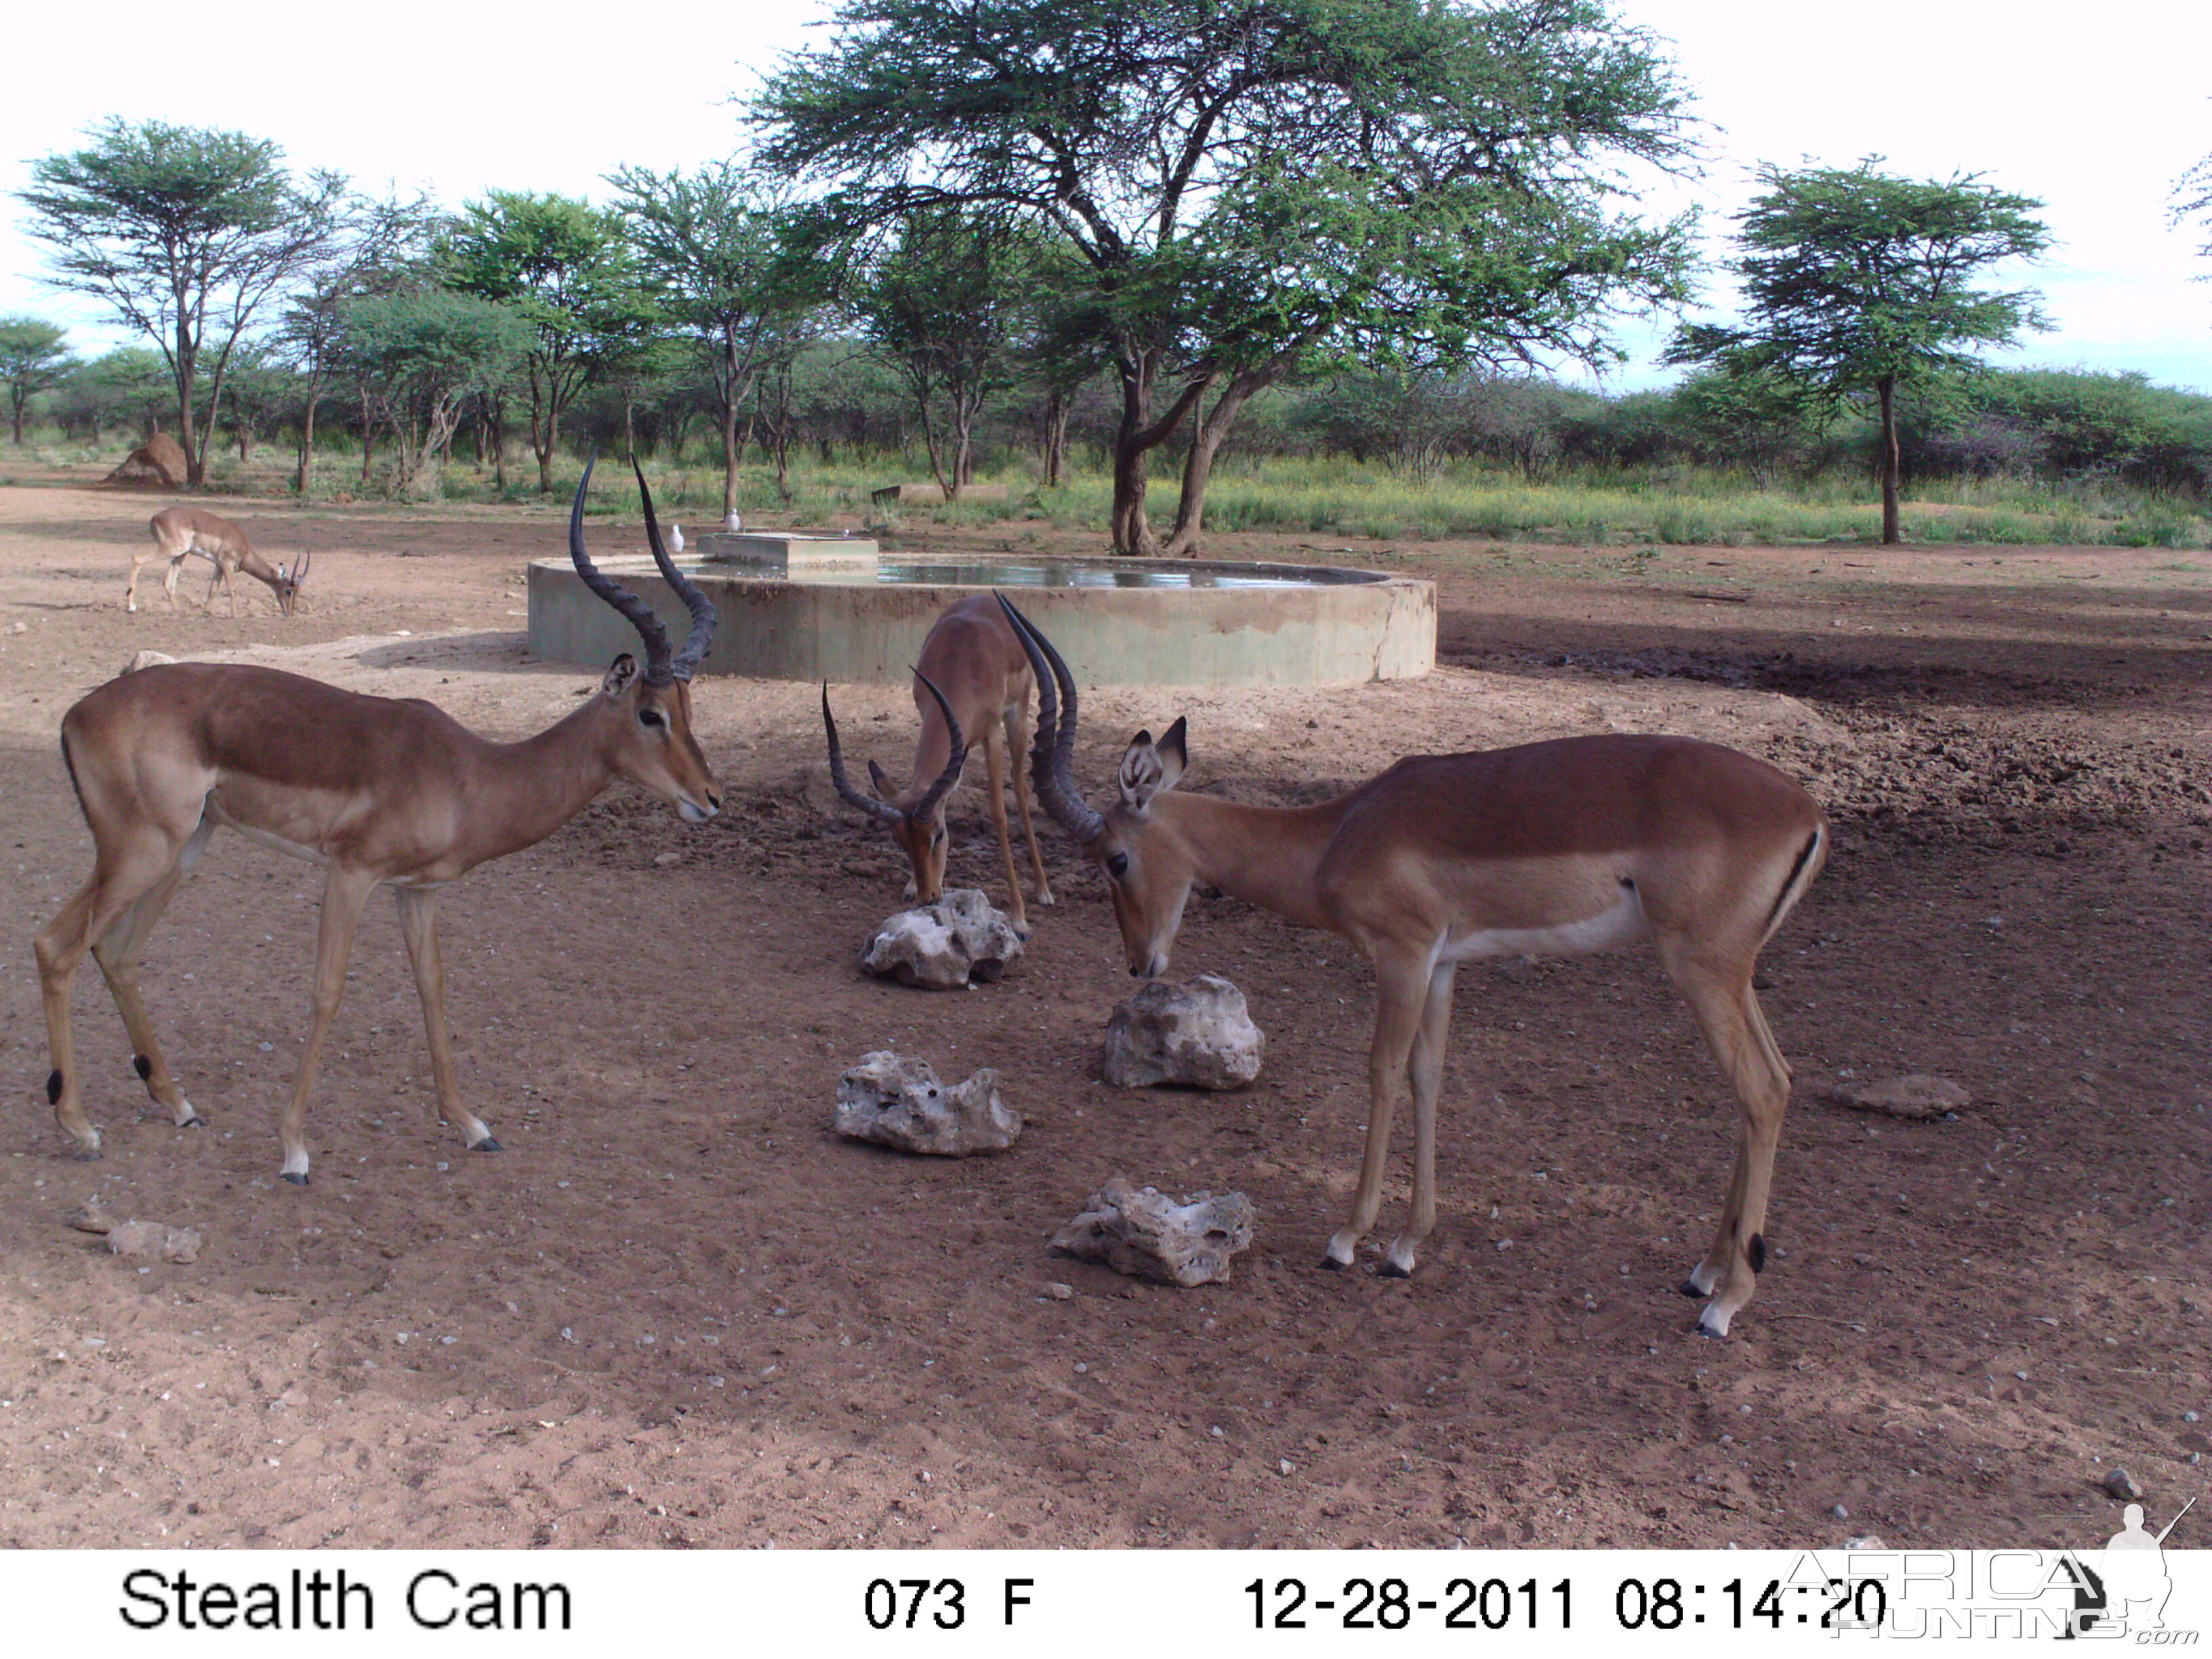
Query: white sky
2096, 110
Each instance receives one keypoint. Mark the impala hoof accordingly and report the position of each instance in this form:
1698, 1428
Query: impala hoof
1330, 1264
487, 1144
195, 1121
1387, 1268
1690, 1287
296, 1179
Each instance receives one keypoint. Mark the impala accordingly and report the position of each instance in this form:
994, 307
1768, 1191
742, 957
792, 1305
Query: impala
378, 790
978, 676
180, 532
1550, 848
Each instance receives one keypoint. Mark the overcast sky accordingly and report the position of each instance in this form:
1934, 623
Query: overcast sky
2095, 109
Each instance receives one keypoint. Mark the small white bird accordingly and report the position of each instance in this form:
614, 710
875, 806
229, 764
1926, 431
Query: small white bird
733, 524
676, 539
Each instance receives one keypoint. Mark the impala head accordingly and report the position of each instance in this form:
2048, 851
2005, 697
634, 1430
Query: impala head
1148, 866
654, 747
288, 582
915, 817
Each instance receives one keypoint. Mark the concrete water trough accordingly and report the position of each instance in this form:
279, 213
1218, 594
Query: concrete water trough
829, 609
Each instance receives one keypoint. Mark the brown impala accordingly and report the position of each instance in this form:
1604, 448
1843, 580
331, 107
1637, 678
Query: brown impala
180, 532
978, 677
379, 790
1551, 849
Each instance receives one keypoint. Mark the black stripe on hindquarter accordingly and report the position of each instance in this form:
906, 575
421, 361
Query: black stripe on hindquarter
1790, 881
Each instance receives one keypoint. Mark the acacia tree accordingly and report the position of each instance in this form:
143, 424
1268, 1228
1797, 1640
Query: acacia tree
949, 304
185, 232
378, 247
33, 358
1253, 184
420, 355
716, 262
565, 267
1857, 283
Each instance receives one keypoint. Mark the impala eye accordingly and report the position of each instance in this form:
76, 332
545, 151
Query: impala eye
1118, 865
651, 717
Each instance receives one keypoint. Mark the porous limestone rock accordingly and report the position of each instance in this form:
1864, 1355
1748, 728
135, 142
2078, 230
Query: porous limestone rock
957, 942
1919, 1095
143, 1239
899, 1102
1142, 1232
1197, 1035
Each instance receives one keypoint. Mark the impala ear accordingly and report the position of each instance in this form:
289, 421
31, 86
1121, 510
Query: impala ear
1148, 768
882, 785
620, 672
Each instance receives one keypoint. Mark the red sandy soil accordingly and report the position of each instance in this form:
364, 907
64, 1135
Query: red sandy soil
677, 1311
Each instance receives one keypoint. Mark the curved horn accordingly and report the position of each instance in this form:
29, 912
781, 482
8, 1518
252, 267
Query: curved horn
1055, 737
700, 607
950, 774
639, 612
300, 570
882, 811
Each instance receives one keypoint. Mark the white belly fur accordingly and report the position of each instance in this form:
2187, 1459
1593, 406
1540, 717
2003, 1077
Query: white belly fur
1621, 924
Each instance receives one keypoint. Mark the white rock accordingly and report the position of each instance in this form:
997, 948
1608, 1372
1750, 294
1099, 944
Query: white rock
1919, 1096
1141, 1232
146, 659
958, 941
899, 1102
152, 1238
1198, 1035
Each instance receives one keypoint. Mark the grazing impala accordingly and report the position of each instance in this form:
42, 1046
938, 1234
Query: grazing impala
378, 790
978, 677
1551, 849
180, 532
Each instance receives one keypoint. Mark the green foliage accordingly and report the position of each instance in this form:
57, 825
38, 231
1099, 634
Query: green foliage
567, 270
1246, 186
1854, 278
33, 358
185, 232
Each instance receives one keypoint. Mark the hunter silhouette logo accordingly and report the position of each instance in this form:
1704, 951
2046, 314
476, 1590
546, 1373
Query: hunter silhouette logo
2130, 1586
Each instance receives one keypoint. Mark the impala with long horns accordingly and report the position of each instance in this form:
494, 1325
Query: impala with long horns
977, 675
1550, 848
378, 790
181, 532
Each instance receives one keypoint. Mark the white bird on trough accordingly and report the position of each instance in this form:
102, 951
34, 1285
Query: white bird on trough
676, 539
733, 524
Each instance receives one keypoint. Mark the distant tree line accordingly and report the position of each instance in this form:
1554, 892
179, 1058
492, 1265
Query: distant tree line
1051, 229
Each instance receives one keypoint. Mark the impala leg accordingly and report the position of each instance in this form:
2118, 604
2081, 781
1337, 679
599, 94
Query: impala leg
130, 588
344, 892
117, 953
169, 581
1017, 748
1427, 1073
995, 764
418, 924
1400, 992
1728, 1013
121, 873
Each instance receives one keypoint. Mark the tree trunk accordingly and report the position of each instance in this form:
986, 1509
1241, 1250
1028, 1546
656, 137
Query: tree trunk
367, 439
305, 476
733, 451
1056, 436
1892, 532
19, 420
1206, 437
1134, 442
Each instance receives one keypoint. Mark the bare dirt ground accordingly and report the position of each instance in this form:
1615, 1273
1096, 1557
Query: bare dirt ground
678, 1311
